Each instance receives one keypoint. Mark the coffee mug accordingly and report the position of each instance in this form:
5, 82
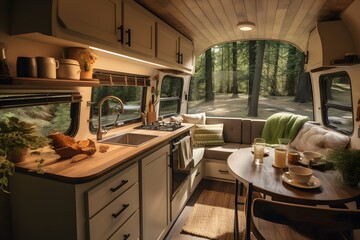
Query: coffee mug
26, 67
47, 67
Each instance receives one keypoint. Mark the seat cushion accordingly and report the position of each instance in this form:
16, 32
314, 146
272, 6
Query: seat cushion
221, 152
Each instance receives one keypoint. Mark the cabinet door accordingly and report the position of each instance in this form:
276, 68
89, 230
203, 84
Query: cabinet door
97, 18
139, 29
186, 51
155, 193
167, 44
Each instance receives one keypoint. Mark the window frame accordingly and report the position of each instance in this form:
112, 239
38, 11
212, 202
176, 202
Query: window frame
325, 105
134, 120
177, 98
38, 98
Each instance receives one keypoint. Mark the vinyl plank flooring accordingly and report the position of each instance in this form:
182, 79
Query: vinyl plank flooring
176, 230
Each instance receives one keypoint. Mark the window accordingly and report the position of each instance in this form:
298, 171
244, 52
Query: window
50, 112
250, 79
170, 96
132, 98
336, 102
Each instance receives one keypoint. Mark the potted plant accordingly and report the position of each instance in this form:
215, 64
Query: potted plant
347, 162
17, 137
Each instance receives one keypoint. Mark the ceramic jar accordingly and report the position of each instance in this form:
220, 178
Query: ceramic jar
68, 69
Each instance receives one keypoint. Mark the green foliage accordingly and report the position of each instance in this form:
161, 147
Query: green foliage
347, 162
17, 134
281, 69
6, 169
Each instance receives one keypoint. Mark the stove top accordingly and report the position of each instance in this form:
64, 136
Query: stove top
172, 126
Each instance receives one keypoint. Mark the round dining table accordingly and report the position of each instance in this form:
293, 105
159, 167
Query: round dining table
267, 179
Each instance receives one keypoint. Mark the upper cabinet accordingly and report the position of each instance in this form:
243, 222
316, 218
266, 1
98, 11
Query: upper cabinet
121, 26
138, 29
97, 18
173, 47
328, 42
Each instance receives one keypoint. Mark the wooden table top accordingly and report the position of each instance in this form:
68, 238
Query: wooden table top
267, 179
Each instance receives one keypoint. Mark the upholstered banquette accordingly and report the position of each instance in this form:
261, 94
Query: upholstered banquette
226, 135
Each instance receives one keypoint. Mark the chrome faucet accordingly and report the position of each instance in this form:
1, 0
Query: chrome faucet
102, 131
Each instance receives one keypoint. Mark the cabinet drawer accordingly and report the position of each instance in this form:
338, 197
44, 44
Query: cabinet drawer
130, 230
180, 199
108, 190
195, 177
218, 170
104, 223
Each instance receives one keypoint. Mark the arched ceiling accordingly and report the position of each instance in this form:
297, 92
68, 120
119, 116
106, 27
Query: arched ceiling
210, 22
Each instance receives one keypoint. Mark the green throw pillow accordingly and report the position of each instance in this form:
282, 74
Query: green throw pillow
210, 134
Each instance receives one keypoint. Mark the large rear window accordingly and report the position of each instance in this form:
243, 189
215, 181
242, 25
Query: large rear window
252, 79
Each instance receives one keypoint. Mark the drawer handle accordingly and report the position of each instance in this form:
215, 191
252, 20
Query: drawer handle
197, 174
126, 236
125, 206
223, 172
123, 182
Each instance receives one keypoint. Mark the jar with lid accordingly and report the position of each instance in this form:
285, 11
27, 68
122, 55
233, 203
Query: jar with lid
4, 68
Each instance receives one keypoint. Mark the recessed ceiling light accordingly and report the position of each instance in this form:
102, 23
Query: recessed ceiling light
246, 26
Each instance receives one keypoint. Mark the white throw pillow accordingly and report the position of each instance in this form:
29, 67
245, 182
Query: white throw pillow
197, 118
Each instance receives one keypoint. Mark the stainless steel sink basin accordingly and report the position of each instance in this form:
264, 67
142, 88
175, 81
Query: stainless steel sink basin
133, 139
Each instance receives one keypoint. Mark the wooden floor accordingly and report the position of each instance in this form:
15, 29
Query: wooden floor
175, 231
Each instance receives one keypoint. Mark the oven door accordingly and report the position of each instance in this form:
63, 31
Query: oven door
178, 176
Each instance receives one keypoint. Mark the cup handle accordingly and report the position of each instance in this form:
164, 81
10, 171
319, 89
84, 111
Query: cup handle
56, 64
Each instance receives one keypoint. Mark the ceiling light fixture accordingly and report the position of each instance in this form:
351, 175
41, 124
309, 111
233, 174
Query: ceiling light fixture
246, 26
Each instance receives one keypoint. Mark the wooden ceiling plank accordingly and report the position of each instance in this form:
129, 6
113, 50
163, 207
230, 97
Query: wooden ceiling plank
261, 12
289, 20
280, 17
303, 13
218, 8
270, 18
203, 11
293, 8
251, 16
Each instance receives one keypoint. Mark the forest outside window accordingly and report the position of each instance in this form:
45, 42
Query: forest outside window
49, 111
336, 102
251, 79
170, 96
132, 98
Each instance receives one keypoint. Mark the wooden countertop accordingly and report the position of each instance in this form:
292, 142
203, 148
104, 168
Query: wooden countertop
100, 163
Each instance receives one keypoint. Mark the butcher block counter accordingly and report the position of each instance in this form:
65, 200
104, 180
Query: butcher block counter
99, 164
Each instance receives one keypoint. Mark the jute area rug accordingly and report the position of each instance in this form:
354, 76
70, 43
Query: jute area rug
213, 216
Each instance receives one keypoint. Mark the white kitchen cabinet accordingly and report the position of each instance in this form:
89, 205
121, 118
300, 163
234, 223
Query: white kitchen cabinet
138, 29
173, 47
97, 18
45, 209
328, 42
155, 194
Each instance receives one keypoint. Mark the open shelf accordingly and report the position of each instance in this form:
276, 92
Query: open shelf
47, 82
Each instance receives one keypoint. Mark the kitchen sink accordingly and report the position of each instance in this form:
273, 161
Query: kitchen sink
132, 139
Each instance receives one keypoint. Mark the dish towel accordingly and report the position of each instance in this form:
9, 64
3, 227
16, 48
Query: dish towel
185, 152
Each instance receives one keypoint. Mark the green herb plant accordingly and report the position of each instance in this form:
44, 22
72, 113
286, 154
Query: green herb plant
15, 136
347, 162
